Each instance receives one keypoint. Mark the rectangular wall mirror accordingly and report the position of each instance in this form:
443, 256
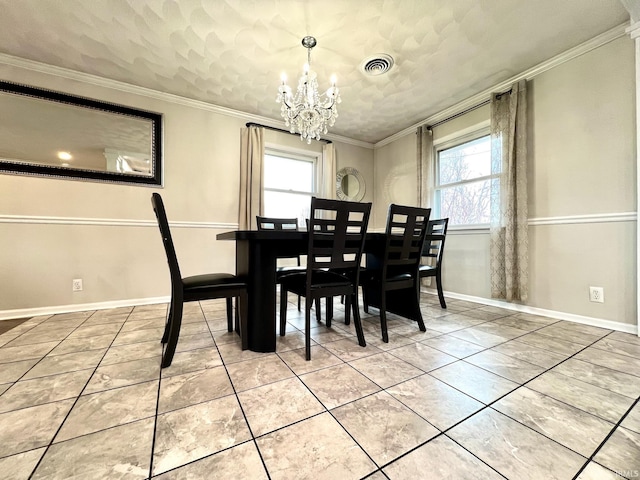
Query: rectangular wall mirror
53, 134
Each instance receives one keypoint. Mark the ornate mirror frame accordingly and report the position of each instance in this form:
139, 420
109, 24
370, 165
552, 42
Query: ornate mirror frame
124, 144
340, 193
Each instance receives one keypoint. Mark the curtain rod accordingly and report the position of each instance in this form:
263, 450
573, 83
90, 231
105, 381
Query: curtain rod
474, 107
252, 124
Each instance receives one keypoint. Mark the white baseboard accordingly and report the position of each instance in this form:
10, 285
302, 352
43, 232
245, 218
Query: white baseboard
570, 317
81, 307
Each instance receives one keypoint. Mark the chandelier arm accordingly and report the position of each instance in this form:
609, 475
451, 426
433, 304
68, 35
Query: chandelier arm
307, 111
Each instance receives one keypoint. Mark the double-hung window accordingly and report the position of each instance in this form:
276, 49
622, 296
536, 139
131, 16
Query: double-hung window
463, 180
289, 184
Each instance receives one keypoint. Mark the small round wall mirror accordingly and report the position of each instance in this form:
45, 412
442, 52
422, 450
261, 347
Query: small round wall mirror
350, 184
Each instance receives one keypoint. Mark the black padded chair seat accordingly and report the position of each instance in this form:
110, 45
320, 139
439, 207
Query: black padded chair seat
198, 284
210, 278
292, 269
427, 268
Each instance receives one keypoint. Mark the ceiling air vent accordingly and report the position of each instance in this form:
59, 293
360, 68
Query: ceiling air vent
378, 64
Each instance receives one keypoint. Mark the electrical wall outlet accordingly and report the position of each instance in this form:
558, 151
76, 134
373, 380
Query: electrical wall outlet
76, 286
596, 294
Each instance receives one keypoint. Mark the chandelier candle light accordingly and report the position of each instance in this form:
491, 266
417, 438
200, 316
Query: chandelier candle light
308, 113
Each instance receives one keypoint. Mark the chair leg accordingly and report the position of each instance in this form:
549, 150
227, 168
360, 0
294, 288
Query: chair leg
357, 321
318, 313
237, 316
307, 326
383, 316
421, 325
174, 333
167, 325
417, 309
299, 302
443, 304
365, 300
329, 308
242, 304
229, 314
347, 310
283, 310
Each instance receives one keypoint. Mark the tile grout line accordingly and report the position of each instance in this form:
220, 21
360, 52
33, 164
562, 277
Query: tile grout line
235, 393
253, 438
613, 430
77, 398
489, 405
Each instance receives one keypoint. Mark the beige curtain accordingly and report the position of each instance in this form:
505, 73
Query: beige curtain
509, 247
426, 167
327, 172
251, 176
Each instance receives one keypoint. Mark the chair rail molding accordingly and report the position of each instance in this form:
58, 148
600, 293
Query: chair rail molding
109, 222
590, 218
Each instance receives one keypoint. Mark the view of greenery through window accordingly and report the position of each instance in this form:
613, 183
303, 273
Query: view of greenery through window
288, 186
463, 184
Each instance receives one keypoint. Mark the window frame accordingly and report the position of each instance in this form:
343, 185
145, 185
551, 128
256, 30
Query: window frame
293, 154
447, 143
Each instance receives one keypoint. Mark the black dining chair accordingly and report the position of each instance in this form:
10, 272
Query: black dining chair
194, 288
433, 251
337, 231
291, 224
328, 300
398, 272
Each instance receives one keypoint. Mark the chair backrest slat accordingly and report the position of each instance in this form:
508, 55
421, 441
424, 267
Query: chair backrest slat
167, 241
280, 224
434, 243
271, 223
337, 230
405, 234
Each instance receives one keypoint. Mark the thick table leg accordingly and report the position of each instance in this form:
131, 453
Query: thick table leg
258, 265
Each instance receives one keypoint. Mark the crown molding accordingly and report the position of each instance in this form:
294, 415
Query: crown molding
570, 54
96, 80
553, 62
634, 30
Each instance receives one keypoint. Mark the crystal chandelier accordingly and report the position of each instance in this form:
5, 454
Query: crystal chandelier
308, 112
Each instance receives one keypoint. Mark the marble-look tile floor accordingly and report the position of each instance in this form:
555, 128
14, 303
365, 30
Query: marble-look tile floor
484, 393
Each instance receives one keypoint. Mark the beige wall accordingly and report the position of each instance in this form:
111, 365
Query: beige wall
118, 262
395, 177
581, 163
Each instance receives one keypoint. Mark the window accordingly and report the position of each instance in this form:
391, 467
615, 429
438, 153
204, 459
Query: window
463, 181
289, 180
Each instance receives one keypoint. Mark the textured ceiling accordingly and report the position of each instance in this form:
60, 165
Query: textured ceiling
231, 52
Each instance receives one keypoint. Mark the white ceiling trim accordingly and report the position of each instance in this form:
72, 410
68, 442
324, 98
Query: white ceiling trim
13, 61
553, 62
581, 49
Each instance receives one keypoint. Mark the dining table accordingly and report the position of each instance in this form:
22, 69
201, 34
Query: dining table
257, 253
